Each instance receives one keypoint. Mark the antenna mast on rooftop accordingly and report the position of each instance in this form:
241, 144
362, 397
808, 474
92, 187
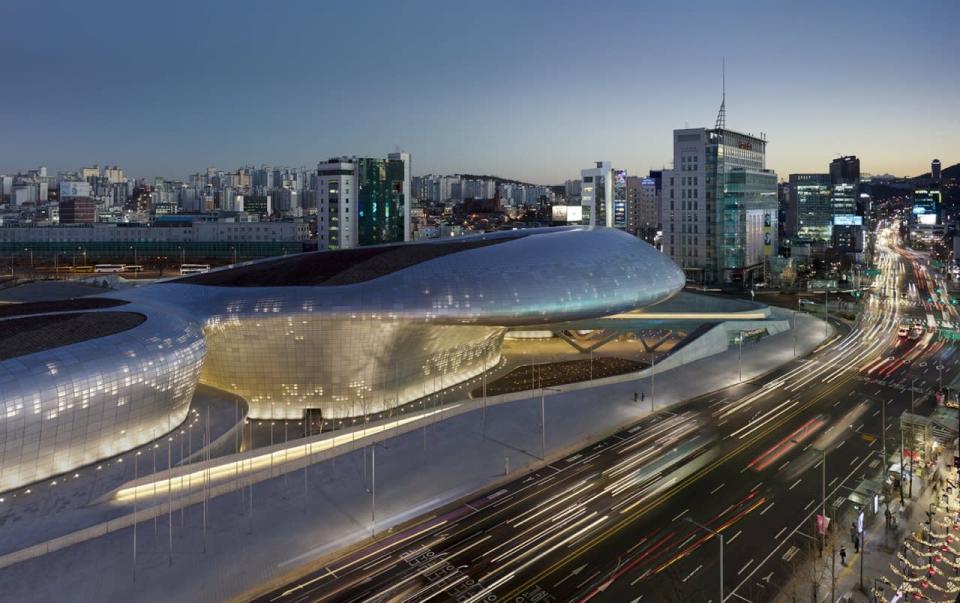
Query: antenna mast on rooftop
722, 114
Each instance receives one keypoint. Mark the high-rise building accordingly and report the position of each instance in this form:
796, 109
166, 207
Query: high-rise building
596, 194
363, 201
719, 205
78, 210
810, 216
643, 205
935, 171
844, 203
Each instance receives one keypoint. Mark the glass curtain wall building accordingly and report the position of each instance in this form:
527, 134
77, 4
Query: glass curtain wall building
810, 196
719, 205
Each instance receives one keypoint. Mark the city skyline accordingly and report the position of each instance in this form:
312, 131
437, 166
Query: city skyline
534, 96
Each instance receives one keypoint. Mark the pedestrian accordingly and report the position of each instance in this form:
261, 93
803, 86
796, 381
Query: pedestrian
635, 397
643, 396
856, 544
888, 516
853, 531
843, 556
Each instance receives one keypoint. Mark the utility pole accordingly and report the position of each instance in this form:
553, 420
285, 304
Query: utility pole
653, 380
373, 490
863, 553
720, 538
740, 357
795, 328
543, 424
483, 414
883, 418
826, 313
901, 464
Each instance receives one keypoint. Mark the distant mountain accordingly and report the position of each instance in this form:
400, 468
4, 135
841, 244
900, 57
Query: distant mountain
496, 179
945, 173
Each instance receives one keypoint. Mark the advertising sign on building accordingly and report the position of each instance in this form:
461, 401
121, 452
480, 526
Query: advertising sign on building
74, 189
567, 213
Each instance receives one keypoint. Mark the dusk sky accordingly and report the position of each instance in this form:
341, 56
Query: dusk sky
528, 90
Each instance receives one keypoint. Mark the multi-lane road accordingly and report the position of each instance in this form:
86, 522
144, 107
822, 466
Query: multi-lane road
635, 517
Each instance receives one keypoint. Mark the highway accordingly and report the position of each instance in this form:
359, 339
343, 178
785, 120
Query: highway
635, 517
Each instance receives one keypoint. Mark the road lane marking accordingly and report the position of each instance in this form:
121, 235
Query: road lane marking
734, 537
777, 537
690, 575
714, 491
570, 575
682, 513
810, 503
767, 508
855, 459
744, 568
684, 543
791, 553
795, 484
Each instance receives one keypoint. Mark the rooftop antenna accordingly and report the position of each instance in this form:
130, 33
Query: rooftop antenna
722, 114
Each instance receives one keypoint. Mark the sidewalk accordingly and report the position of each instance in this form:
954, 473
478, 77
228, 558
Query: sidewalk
888, 560
253, 537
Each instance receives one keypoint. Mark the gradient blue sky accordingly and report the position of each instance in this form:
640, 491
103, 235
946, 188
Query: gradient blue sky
523, 89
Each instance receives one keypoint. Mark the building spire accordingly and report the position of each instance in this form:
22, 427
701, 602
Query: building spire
722, 114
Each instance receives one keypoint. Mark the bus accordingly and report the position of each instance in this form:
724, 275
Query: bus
193, 268
134, 268
109, 268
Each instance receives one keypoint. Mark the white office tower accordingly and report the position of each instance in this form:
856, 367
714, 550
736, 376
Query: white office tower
719, 206
596, 194
363, 201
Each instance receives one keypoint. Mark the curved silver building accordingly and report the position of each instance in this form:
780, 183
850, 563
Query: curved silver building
343, 333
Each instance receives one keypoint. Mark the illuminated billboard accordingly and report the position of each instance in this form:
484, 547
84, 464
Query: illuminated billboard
74, 189
567, 213
620, 198
848, 220
620, 213
928, 219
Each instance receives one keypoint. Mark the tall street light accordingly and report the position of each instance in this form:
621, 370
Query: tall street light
740, 357
826, 312
720, 537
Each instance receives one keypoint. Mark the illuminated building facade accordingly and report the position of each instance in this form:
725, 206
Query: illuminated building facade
719, 214
336, 333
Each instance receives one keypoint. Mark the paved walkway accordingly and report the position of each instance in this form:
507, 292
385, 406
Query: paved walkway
887, 559
68, 503
252, 537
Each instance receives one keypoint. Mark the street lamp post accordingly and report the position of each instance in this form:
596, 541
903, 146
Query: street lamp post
912, 396
795, 328
740, 357
720, 538
823, 487
826, 312
653, 380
